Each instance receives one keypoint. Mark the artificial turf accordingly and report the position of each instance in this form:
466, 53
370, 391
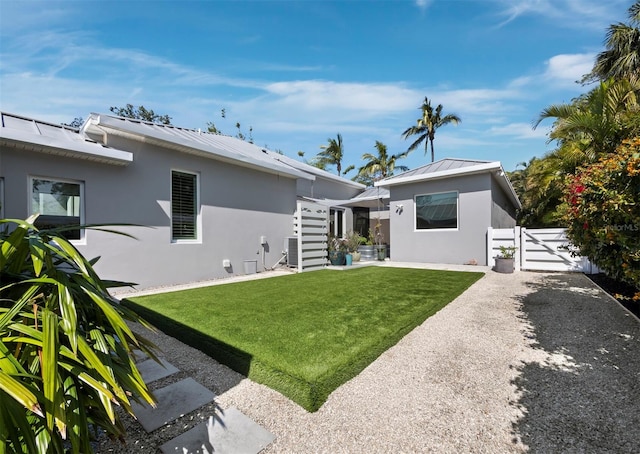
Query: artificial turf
304, 334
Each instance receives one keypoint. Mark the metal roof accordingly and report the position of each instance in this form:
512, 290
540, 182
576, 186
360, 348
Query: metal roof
34, 135
447, 164
194, 141
448, 168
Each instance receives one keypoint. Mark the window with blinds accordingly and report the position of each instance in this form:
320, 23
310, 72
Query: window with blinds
184, 206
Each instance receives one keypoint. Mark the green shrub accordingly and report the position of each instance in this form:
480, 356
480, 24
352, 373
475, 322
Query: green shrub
65, 349
603, 213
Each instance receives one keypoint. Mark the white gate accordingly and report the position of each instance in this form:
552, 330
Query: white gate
538, 250
310, 224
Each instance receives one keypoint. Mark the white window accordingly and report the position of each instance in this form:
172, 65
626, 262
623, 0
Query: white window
336, 222
436, 211
184, 206
59, 203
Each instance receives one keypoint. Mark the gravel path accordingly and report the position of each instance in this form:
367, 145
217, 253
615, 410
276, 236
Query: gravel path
529, 362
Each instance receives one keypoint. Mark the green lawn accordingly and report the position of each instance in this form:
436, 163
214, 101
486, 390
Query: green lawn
304, 334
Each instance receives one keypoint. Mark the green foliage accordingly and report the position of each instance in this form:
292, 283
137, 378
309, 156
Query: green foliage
65, 349
621, 59
508, 252
331, 154
380, 166
352, 241
140, 113
305, 334
427, 125
603, 212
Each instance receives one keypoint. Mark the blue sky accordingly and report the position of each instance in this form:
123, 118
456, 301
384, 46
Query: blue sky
301, 71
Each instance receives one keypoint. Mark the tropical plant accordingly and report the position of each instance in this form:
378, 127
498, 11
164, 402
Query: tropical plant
331, 154
621, 59
381, 165
427, 125
335, 244
602, 212
507, 252
590, 127
596, 122
352, 241
65, 349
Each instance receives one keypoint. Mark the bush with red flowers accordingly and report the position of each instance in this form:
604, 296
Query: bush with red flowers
602, 212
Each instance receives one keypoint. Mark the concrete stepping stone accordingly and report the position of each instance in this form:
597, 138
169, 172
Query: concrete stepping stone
174, 401
232, 433
152, 371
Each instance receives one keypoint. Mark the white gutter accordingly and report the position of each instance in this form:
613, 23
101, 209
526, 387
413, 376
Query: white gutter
74, 148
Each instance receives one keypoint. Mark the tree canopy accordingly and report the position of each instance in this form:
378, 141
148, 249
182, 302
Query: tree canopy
140, 113
426, 126
331, 154
381, 165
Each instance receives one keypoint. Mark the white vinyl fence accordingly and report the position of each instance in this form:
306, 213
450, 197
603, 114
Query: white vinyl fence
310, 228
538, 250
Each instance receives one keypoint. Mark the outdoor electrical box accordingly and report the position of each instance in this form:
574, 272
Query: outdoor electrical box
263, 240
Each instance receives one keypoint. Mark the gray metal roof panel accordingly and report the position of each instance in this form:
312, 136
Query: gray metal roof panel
202, 143
441, 165
35, 135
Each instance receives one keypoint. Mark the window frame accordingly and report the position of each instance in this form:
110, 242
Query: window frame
440, 229
81, 205
197, 221
337, 224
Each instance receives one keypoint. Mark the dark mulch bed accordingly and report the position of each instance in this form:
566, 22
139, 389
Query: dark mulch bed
619, 290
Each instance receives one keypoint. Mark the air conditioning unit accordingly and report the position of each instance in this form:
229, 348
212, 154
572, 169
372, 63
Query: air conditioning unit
291, 248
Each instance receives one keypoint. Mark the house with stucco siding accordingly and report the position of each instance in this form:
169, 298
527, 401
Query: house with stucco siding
198, 205
441, 212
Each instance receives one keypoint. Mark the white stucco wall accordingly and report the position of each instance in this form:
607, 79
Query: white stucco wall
455, 246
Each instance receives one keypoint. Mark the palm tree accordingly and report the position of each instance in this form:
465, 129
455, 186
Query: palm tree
622, 58
427, 125
331, 154
596, 122
382, 165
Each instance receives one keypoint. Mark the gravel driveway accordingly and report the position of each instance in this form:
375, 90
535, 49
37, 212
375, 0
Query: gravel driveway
529, 362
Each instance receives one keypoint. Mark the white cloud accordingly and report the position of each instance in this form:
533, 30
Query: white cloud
368, 100
594, 14
569, 68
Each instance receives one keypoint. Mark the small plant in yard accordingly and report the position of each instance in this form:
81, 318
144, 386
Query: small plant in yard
335, 244
65, 349
507, 252
352, 241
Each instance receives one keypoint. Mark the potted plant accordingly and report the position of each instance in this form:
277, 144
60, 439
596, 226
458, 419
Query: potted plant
337, 250
378, 238
505, 260
353, 243
366, 249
